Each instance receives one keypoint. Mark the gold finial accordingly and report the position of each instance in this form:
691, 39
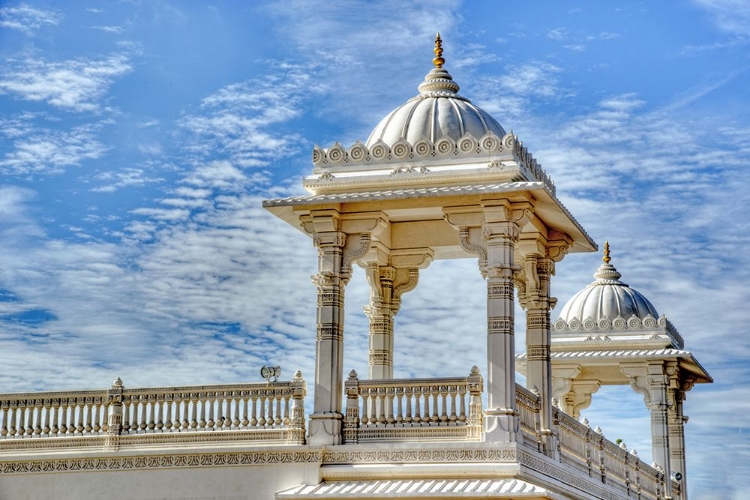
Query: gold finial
606, 258
438, 61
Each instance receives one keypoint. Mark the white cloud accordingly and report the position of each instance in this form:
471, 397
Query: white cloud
732, 16
236, 121
109, 29
74, 85
50, 151
26, 19
114, 180
558, 34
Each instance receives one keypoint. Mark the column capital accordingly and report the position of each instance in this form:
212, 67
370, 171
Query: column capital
506, 210
558, 244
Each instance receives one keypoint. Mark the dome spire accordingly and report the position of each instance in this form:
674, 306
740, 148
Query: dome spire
606, 258
607, 271
438, 82
438, 61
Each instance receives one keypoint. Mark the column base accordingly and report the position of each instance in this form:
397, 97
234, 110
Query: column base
500, 425
325, 429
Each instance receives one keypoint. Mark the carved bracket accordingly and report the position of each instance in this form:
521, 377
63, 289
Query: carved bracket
464, 240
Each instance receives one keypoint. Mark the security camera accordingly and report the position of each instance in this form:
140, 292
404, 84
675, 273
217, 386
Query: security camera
677, 476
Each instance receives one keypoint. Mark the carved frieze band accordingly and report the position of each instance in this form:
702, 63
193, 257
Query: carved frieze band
381, 357
329, 332
160, 461
500, 291
257, 458
538, 320
538, 353
420, 456
561, 474
500, 325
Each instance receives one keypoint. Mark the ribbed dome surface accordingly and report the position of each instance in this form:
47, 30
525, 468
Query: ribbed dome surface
438, 111
607, 298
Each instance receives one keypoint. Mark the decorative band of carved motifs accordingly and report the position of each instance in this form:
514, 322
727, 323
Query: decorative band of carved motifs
500, 291
538, 353
445, 147
379, 357
329, 331
500, 325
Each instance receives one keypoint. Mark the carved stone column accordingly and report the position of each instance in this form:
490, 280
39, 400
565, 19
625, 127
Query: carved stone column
676, 421
502, 227
325, 422
658, 382
380, 314
536, 272
387, 284
652, 381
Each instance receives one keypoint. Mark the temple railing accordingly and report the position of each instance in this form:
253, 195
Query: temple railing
413, 409
263, 412
588, 451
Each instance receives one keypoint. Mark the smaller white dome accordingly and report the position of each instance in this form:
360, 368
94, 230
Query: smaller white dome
607, 298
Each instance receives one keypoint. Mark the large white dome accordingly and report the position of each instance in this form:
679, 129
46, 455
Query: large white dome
607, 298
438, 111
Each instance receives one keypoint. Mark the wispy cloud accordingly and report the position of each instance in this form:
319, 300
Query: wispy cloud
38, 150
234, 122
74, 85
114, 180
27, 19
732, 16
511, 94
109, 29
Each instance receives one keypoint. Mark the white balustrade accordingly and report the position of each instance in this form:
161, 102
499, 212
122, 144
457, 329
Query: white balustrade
588, 451
529, 406
272, 412
405, 409
53, 414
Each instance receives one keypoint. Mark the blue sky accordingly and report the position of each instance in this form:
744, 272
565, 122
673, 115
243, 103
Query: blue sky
138, 139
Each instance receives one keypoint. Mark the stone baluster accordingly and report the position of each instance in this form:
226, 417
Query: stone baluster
399, 404
444, 404
177, 423
169, 404
435, 417
453, 394
55, 410
79, 415
408, 391
4, 428
89, 405
462, 404
417, 397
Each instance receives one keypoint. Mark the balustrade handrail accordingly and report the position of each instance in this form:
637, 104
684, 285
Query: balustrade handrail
588, 450
271, 411
404, 409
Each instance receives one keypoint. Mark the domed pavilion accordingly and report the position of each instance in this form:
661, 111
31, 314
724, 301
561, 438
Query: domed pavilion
438, 178
610, 334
